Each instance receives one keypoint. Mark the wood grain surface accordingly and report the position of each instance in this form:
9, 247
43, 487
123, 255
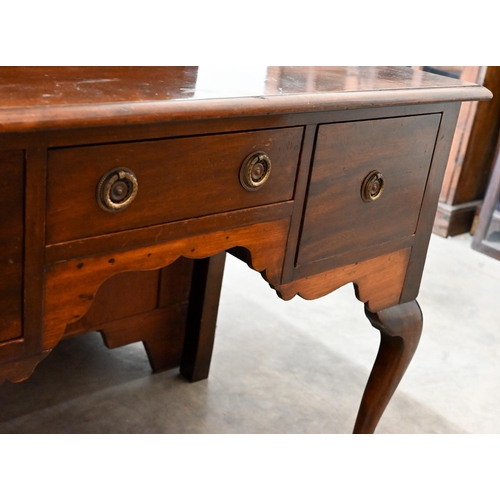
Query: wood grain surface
378, 281
178, 179
55, 98
11, 243
336, 218
71, 286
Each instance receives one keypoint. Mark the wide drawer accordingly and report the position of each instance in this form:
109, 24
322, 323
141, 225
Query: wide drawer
392, 153
177, 179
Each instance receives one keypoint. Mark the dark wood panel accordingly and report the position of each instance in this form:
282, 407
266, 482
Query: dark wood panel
166, 232
357, 255
11, 243
298, 206
177, 179
175, 282
337, 220
34, 271
121, 296
132, 293
429, 203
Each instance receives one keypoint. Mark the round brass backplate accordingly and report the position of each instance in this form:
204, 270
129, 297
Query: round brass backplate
255, 170
116, 189
372, 186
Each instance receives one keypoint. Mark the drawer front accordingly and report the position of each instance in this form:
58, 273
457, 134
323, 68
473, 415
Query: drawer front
177, 179
11, 243
337, 218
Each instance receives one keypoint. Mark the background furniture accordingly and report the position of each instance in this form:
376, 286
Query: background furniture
471, 157
117, 178
487, 235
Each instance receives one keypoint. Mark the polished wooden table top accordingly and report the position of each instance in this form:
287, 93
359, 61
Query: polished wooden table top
37, 97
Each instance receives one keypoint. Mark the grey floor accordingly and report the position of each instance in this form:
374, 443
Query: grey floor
287, 367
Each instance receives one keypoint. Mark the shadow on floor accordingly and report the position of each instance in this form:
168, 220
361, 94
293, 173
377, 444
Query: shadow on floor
254, 387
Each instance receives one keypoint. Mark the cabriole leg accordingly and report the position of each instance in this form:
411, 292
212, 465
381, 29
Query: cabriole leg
400, 329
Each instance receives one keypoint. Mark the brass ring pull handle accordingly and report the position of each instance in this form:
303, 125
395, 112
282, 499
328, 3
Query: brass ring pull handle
116, 189
372, 187
255, 171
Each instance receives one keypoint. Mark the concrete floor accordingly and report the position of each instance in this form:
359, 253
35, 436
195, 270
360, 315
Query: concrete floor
299, 367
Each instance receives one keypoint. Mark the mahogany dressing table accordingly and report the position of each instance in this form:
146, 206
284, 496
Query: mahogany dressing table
122, 189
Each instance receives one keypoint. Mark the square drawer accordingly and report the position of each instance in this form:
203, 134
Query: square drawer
177, 179
337, 220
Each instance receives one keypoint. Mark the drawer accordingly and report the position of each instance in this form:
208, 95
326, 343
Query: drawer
337, 219
177, 179
11, 243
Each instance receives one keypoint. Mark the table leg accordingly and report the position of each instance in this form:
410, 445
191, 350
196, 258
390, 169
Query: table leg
202, 316
400, 328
